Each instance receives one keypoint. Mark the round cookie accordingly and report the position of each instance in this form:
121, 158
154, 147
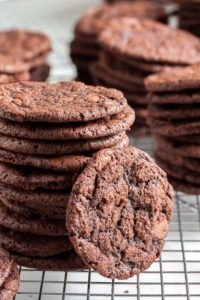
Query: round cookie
24, 45
111, 216
40, 226
33, 245
174, 128
178, 147
63, 163
11, 285
58, 148
184, 186
160, 43
31, 179
67, 262
189, 163
186, 97
35, 198
178, 79
99, 128
5, 265
55, 213
58, 102
173, 112
179, 172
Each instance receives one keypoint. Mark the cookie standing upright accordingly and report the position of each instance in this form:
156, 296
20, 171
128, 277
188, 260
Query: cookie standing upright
9, 276
119, 212
175, 121
85, 47
48, 133
23, 56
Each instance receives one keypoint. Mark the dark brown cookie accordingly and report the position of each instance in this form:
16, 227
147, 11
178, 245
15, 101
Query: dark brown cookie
5, 265
40, 73
179, 172
174, 127
44, 131
31, 179
64, 163
35, 199
95, 19
51, 212
58, 102
170, 112
33, 245
189, 163
11, 285
193, 138
186, 97
160, 43
38, 226
184, 186
178, 147
177, 79
108, 215
58, 148
67, 262
24, 45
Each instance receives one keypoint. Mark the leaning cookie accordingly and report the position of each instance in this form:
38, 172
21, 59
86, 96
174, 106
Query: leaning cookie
108, 216
9, 276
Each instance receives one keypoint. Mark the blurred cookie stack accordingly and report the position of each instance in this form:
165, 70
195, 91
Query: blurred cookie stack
175, 122
23, 56
132, 49
48, 133
189, 15
85, 47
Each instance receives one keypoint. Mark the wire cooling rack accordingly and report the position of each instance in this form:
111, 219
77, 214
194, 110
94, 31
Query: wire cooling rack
176, 275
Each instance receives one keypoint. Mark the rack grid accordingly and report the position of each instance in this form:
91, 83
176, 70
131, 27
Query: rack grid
176, 275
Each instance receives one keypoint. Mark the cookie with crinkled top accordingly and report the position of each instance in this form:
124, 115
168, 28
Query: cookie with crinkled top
119, 211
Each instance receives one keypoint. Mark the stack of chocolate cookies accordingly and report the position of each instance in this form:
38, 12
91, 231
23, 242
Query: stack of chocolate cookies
85, 46
175, 122
9, 276
188, 13
48, 132
132, 49
23, 56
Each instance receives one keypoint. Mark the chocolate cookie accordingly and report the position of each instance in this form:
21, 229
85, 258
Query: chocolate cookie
38, 226
184, 186
185, 97
24, 45
178, 160
111, 215
178, 147
58, 148
31, 179
64, 163
33, 245
58, 102
10, 286
179, 172
160, 43
178, 79
170, 112
44, 131
51, 212
174, 128
40, 73
35, 199
5, 265
67, 262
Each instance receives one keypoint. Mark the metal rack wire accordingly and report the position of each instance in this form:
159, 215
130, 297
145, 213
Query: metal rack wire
176, 275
